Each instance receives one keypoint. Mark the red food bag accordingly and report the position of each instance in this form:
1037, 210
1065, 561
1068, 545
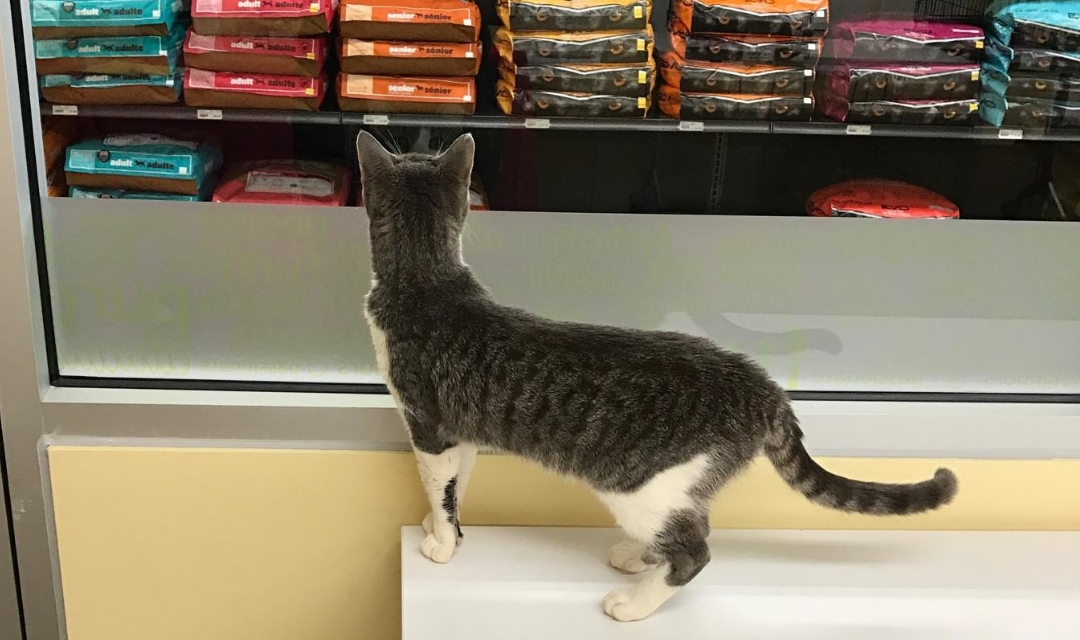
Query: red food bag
879, 199
296, 182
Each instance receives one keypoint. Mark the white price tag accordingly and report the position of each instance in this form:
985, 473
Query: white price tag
208, 114
1010, 134
65, 110
376, 120
537, 123
686, 125
859, 129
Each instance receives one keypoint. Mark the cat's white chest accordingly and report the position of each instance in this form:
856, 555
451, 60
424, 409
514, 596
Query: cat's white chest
382, 353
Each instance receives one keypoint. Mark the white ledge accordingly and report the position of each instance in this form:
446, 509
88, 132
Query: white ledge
546, 583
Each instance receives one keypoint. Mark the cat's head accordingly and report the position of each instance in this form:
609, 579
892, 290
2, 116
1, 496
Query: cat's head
411, 197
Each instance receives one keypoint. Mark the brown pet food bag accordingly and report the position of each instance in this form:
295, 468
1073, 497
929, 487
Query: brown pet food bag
410, 20
390, 94
409, 58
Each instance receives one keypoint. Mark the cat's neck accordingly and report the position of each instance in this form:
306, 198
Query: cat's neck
415, 266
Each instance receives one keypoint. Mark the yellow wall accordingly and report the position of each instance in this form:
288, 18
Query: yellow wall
230, 544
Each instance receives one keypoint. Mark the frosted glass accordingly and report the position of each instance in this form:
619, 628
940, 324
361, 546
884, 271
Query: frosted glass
224, 292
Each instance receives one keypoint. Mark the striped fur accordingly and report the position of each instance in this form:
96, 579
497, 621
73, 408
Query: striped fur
655, 422
784, 448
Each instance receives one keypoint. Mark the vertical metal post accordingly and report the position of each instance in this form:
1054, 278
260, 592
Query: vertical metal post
716, 180
10, 616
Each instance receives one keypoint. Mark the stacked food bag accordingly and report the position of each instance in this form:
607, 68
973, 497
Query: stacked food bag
409, 56
589, 58
895, 71
742, 59
257, 55
1032, 66
108, 51
142, 166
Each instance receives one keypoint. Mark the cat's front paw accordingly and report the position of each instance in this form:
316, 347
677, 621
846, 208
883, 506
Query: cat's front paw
436, 550
626, 605
429, 529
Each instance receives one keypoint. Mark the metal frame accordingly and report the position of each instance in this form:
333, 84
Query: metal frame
489, 121
10, 616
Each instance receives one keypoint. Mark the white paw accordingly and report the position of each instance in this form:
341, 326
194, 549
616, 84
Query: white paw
627, 557
436, 551
429, 529
622, 605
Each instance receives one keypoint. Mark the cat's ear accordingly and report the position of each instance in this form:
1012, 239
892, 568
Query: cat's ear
457, 161
374, 159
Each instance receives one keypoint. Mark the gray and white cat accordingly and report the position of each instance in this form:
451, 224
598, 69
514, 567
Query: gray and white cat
655, 422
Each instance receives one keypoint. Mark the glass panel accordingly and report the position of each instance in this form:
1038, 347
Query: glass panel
730, 128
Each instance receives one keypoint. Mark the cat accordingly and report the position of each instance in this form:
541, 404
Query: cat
655, 422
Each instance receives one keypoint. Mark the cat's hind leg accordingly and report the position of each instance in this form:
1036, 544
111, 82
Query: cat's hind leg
441, 471
668, 517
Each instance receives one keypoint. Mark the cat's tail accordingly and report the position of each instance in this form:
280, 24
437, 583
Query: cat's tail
784, 447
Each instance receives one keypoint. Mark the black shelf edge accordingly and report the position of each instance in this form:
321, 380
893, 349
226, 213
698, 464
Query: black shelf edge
965, 397
488, 121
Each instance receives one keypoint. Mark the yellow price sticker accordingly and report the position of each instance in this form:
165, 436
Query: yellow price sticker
979, 44
639, 12
642, 77
974, 106
309, 91
642, 103
641, 44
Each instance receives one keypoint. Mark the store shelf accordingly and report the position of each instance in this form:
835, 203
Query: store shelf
495, 121
537, 583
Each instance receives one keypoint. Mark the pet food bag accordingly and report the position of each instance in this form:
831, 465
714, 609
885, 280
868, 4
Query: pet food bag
905, 41
716, 106
255, 18
610, 47
1047, 24
63, 19
125, 55
772, 17
695, 76
410, 20
788, 51
286, 182
634, 80
393, 94
254, 54
578, 15
377, 57
124, 194
111, 89
223, 89
879, 199
143, 162
869, 81
539, 103
922, 112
